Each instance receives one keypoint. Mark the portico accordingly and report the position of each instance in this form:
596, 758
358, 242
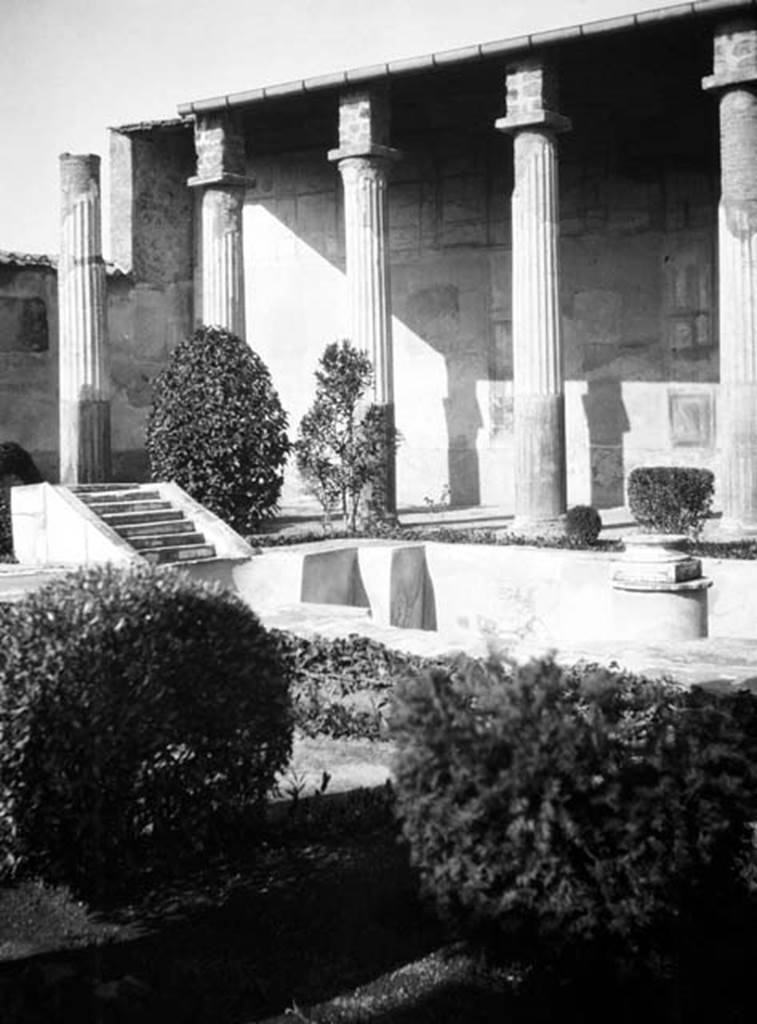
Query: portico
545, 308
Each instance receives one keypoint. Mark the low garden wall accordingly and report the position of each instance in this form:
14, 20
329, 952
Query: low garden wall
550, 595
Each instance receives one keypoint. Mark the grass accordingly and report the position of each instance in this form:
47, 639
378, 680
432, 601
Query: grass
319, 923
327, 901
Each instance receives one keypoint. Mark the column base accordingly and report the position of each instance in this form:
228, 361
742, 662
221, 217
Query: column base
661, 613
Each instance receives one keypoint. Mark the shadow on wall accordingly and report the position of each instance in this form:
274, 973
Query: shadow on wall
432, 312
607, 420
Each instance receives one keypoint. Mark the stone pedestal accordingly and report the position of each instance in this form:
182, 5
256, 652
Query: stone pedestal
538, 406
659, 592
734, 79
84, 407
364, 159
221, 176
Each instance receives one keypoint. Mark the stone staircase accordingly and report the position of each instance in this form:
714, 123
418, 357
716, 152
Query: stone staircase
156, 529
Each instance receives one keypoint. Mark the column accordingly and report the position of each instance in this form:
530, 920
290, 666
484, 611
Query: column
734, 80
84, 407
221, 176
538, 399
364, 158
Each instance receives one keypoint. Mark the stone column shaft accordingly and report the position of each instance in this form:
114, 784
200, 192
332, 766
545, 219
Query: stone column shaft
223, 259
365, 224
364, 158
735, 79
538, 400
221, 175
84, 408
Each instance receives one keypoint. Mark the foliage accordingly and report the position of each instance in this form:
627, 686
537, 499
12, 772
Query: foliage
16, 461
583, 524
16, 466
344, 444
139, 712
217, 427
6, 528
341, 687
742, 549
550, 810
671, 499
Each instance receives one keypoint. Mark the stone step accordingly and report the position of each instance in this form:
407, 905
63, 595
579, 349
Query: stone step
180, 553
160, 540
113, 497
110, 508
149, 528
120, 519
83, 488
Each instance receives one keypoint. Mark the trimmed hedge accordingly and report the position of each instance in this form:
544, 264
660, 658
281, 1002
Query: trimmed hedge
437, 535
16, 465
671, 499
6, 529
548, 811
583, 524
218, 429
16, 461
139, 712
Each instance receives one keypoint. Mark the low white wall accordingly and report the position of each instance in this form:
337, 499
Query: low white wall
548, 595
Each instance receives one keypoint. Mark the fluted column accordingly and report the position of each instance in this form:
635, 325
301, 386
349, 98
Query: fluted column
220, 174
84, 407
538, 398
365, 201
735, 80
364, 158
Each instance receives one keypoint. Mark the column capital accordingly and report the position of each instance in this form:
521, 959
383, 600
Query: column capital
371, 152
531, 99
222, 181
219, 143
364, 129
734, 56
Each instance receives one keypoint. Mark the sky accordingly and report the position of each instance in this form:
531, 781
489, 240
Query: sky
69, 69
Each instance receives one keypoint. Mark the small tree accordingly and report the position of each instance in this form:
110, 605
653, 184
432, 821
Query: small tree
345, 444
217, 427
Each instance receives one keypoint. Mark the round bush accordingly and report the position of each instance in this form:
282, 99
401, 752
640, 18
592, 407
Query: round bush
6, 528
16, 466
217, 428
583, 524
671, 499
16, 463
547, 811
138, 711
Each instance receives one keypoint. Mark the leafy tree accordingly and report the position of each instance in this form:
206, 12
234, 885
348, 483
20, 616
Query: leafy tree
345, 444
217, 427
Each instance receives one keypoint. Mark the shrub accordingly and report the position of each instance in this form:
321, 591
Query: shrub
671, 499
583, 524
138, 711
218, 429
345, 446
6, 528
341, 687
16, 466
16, 462
548, 811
